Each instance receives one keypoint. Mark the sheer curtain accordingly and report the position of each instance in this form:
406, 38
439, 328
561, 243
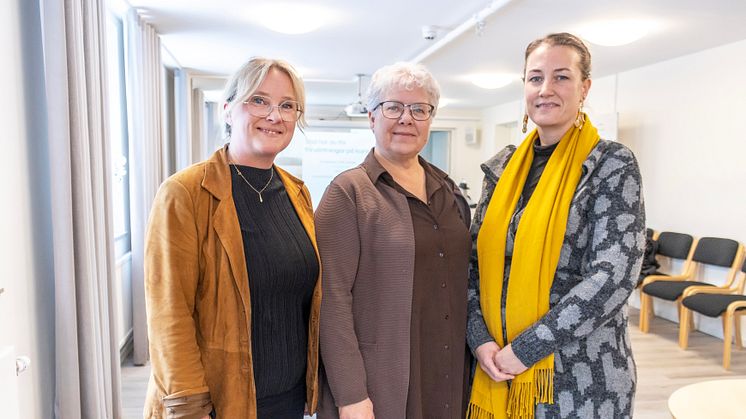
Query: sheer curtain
148, 164
86, 348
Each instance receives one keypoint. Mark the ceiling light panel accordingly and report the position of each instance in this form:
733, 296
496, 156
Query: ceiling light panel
492, 80
611, 33
290, 18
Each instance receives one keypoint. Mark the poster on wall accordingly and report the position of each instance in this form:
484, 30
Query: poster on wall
326, 154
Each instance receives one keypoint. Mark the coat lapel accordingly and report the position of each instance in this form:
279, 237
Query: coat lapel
217, 181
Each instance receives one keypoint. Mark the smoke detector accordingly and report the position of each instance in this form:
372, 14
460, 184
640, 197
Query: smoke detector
357, 109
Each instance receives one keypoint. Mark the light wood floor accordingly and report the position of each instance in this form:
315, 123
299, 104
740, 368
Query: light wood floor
661, 368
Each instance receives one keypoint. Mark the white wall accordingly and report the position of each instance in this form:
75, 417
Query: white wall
501, 126
28, 326
681, 118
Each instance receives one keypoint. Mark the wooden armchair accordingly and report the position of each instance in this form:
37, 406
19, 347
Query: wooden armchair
727, 302
675, 246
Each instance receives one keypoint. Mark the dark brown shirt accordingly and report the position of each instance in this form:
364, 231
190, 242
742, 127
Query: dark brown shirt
438, 374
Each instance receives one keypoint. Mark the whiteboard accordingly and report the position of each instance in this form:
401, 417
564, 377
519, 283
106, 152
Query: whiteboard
326, 154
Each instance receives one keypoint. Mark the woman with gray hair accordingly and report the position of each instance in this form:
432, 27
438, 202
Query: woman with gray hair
231, 268
393, 235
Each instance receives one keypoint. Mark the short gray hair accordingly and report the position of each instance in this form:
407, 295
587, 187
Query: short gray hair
244, 82
403, 75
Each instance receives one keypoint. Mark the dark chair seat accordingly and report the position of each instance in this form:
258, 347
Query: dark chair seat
714, 302
711, 305
670, 290
708, 251
643, 276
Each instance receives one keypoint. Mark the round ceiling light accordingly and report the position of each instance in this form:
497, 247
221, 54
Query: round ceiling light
492, 80
445, 101
612, 33
291, 18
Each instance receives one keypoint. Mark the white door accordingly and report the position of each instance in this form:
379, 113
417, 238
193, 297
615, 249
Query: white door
8, 379
12, 219
8, 383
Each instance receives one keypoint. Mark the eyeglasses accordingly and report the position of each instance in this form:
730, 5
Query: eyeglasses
394, 110
261, 107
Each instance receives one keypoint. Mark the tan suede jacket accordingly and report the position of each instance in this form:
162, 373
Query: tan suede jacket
197, 297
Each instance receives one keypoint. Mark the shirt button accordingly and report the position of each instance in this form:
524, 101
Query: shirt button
429, 202
447, 406
441, 254
447, 376
445, 347
435, 226
443, 285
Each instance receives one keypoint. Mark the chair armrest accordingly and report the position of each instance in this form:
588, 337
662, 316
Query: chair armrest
732, 307
652, 278
707, 290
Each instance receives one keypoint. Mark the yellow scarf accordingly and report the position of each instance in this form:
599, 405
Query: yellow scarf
536, 252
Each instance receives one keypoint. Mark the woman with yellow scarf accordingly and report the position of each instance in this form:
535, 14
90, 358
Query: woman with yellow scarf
558, 243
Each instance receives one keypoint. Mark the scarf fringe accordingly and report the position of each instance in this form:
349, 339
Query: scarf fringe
476, 412
524, 397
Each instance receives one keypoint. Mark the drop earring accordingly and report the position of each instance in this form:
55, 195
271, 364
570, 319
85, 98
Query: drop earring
580, 118
525, 123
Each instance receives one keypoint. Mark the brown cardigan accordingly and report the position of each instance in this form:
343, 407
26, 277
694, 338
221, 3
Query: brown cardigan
197, 297
366, 240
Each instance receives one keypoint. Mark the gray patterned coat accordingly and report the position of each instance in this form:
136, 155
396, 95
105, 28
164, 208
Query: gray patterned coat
586, 325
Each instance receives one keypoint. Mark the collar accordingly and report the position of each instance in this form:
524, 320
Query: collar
374, 169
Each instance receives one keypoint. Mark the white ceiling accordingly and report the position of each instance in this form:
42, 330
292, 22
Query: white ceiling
216, 36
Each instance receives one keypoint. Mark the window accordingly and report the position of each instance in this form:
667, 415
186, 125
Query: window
437, 149
118, 134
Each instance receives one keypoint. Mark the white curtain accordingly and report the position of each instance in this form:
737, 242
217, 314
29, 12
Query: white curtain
148, 164
86, 347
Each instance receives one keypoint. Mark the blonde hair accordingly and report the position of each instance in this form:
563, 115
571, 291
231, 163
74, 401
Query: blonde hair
246, 80
403, 75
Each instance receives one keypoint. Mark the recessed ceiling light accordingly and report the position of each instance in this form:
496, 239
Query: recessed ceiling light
611, 33
492, 80
290, 18
444, 101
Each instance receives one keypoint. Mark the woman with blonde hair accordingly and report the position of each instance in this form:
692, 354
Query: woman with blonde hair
231, 268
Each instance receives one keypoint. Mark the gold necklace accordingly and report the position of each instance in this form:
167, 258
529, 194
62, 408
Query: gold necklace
258, 191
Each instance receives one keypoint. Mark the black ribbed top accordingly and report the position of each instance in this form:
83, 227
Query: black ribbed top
283, 270
541, 157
